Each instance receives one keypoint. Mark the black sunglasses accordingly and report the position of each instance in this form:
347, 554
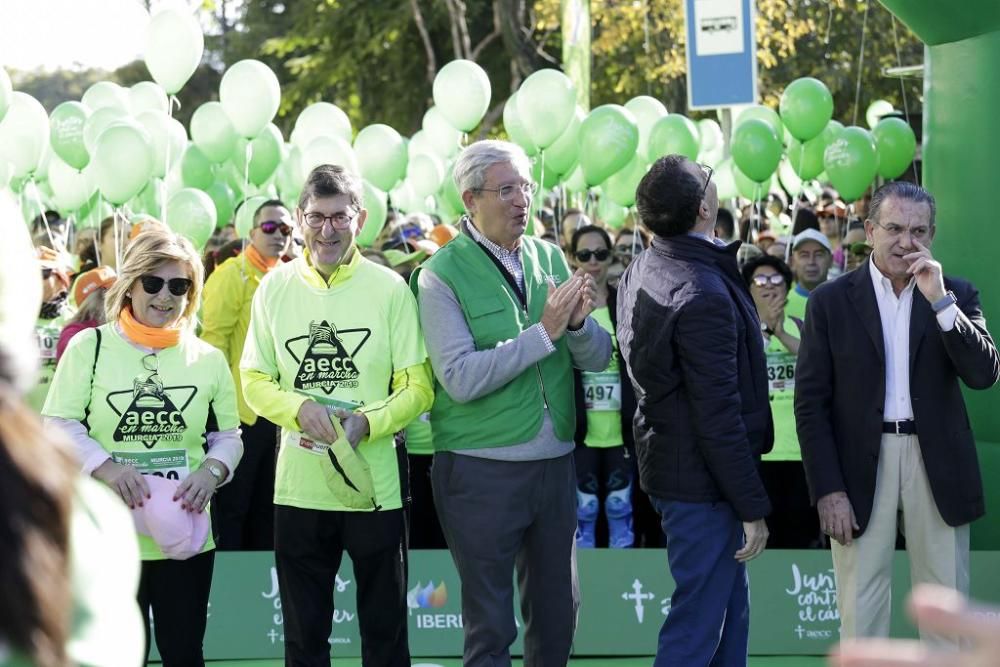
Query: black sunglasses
599, 255
177, 286
270, 227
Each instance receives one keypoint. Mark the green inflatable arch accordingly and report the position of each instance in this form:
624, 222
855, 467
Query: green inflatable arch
961, 161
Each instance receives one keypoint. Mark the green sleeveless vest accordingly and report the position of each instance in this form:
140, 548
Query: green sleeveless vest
512, 414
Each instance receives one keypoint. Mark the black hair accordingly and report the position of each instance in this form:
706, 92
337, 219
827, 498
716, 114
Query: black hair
724, 219
270, 202
589, 229
668, 197
776, 263
900, 190
805, 219
330, 180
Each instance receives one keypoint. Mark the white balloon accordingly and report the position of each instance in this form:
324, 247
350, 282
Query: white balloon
106, 94
329, 150
444, 138
174, 46
318, 120
70, 188
24, 134
169, 139
147, 96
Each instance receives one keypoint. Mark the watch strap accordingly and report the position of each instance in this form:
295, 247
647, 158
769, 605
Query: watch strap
947, 300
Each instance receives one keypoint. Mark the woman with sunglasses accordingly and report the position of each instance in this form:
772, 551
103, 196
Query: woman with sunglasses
244, 510
793, 524
141, 395
603, 463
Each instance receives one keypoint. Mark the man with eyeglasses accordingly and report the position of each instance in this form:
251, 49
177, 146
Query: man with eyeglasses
244, 508
690, 337
880, 415
335, 357
506, 323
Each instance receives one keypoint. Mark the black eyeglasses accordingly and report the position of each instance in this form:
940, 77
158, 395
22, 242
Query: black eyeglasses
599, 255
270, 227
177, 286
708, 178
341, 220
763, 280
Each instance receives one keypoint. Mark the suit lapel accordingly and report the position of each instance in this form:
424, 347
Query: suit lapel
920, 314
862, 296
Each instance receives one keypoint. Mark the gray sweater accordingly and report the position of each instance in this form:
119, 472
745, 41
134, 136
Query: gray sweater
468, 374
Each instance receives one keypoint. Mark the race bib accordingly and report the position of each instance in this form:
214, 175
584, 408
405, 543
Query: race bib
48, 336
169, 463
780, 371
602, 391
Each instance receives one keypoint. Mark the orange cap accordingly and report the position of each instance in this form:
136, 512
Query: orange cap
89, 281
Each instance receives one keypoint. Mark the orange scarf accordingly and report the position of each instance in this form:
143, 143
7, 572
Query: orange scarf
259, 262
153, 337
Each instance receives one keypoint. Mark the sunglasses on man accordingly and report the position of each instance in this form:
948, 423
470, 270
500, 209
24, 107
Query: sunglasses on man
177, 286
270, 227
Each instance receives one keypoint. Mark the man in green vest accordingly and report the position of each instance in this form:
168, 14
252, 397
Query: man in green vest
505, 324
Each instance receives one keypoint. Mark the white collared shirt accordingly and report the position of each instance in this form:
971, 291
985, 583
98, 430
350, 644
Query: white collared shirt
895, 315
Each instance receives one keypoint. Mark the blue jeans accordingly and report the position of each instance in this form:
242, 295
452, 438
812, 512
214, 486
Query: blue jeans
709, 619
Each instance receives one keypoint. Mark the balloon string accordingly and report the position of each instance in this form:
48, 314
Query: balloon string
247, 155
174, 102
861, 63
41, 211
902, 90
117, 229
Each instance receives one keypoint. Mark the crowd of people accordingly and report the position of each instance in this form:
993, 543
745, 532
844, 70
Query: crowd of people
516, 385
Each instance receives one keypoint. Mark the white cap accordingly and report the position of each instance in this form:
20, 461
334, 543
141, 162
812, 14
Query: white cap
811, 234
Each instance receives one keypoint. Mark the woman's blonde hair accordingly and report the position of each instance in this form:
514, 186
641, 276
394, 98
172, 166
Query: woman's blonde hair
149, 251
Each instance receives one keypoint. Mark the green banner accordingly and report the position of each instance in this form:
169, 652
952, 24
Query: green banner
625, 597
576, 47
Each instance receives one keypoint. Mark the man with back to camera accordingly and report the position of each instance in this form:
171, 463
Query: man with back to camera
880, 415
689, 334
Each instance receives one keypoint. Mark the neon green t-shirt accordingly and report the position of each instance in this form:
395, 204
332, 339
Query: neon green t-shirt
339, 345
602, 394
796, 306
47, 333
419, 437
781, 391
150, 411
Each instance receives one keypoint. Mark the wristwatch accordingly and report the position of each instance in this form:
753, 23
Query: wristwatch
947, 300
215, 470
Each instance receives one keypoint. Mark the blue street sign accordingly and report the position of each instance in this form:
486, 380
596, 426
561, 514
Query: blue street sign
721, 53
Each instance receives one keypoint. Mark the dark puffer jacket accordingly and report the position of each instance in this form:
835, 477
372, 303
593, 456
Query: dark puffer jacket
690, 338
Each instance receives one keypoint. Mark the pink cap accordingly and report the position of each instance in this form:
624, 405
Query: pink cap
179, 534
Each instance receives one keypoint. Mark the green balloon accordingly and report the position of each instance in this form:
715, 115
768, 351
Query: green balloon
169, 139
6, 91
90, 215
329, 150
545, 103
647, 110
832, 131
174, 45
24, 134
382, 155
71, 188
576, 182
806, 159
425, 173
747, 187
213, 132
249, 94
806, 107
611, 214
896, 146
265, 154
515, 127
561, 156
244, 216
445, 139
147, 96
122, 163
191, 214
756, 149
66, 134
851, 162
761, 112
224, 200
376, 205
105, 94
289, 176
99, 121
673, 134
725, 181
611, 136
196, 170
320, 119
462, 94
450, 193
620, 186
547, 179
150, 200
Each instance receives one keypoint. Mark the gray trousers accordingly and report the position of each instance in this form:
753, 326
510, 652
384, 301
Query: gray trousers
498, 515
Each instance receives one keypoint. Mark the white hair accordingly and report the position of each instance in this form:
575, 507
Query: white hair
471, 165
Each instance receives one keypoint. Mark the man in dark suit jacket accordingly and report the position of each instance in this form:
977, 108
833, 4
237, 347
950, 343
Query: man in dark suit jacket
689, 335
879, 411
